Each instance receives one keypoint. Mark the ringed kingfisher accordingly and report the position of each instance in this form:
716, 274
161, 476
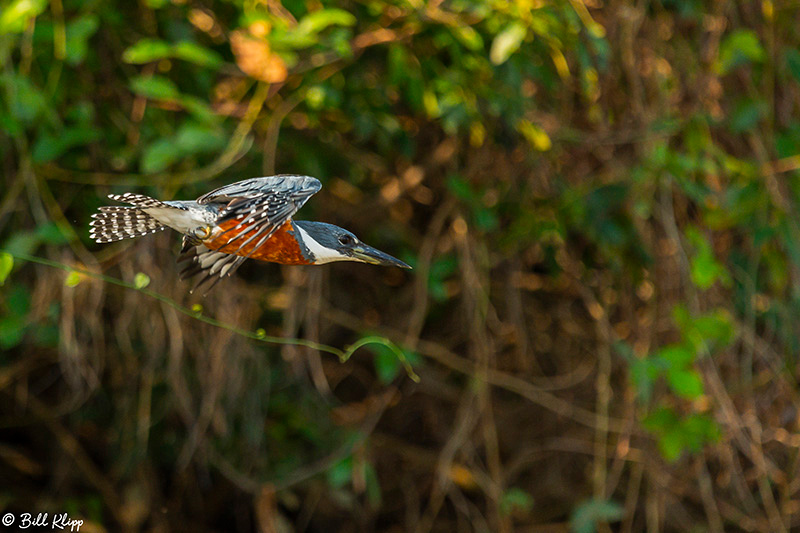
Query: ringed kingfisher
246, 219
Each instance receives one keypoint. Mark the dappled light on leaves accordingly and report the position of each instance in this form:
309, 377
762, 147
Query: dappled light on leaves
256, 59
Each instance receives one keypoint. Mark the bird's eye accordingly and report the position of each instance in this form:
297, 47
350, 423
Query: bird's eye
346, 240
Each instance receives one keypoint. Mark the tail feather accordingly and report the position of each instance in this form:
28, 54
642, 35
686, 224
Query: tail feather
114, 223
139, 200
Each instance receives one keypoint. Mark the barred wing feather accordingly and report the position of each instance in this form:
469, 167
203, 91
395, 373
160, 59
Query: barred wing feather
260, 206
302, 186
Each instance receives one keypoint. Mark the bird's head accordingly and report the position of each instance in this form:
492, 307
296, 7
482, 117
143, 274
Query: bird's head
327, 243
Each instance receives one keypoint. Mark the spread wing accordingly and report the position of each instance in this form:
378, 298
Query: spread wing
257, 208
209, 265
257, 187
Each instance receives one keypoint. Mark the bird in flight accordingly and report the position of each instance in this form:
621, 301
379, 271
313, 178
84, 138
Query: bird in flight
246, 219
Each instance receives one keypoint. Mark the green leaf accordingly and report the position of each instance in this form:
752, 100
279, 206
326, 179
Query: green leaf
535, 135
678, 435
431, 103
443, 267
141, 280
468, 37
292, 40
485, 219
792, 58
672, 444
685, 383
50, 233
388, 364
340, 473
660, 420
195, 138
507, 42
8, 124
79, 31
81, 113
461, 188
73, 279
716, 326
515, 500
705, 270
306, 33
49, 147
739, 48
160, 155
194, 53
6, 264
319, 20
676, 355
12, 329
156, 87
14, 17
705, 332
199, 108
19, 300
147, 50
747, 114
315, 97
589, 513
340, 42
23, 242
700, 429
27, 102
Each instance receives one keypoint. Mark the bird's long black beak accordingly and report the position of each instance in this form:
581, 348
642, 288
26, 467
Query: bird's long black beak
368, 254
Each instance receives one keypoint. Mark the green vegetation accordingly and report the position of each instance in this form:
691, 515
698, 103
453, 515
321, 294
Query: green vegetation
600, 202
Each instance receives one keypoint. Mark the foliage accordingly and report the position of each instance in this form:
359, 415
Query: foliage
599, 201
588, 514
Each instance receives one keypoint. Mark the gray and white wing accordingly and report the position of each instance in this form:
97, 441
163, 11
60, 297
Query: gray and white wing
256, 187
257, 207
209, 265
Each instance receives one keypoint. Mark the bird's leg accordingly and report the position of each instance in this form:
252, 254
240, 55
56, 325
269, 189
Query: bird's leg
202, 232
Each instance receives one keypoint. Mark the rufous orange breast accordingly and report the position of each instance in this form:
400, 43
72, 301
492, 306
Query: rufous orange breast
282, 247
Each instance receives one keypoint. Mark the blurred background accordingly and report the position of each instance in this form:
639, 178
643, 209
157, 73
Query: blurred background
599, 199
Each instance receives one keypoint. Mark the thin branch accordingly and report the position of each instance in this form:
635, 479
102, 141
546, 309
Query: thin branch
197, 313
